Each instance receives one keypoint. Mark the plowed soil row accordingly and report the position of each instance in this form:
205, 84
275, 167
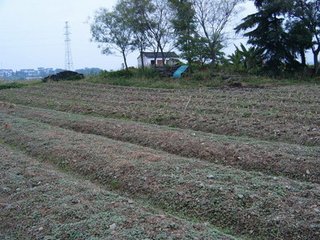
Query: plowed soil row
39, 202
289, 114
246, 202
290, 160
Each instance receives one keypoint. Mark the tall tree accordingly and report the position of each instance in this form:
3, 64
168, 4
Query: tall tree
267, 32
111, 32
133, 14
300, 39
184, 24
212, 18
150, 23
308, 12
159, 24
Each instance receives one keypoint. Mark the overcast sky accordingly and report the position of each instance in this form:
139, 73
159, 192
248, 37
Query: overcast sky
32, 34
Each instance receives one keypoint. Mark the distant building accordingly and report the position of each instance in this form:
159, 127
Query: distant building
6, 73
45, 71
29, 74
155, 59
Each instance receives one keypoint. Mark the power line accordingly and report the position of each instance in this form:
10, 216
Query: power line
68, 56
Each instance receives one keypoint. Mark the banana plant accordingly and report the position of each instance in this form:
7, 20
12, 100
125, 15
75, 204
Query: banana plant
248, 60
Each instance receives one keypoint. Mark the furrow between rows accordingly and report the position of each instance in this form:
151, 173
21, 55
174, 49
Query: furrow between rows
39, 202
265, 207
279, 114
294, 161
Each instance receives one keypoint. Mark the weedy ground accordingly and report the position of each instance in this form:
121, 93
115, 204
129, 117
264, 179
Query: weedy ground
38, 201
241, 160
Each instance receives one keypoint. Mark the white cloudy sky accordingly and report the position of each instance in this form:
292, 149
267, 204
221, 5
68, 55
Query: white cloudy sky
32, 34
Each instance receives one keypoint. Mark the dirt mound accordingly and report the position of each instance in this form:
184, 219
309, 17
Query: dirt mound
64, 76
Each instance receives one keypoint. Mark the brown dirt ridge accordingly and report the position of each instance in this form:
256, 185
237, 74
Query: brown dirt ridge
286, 114
37, 201
82, 160
245, 153
249, 203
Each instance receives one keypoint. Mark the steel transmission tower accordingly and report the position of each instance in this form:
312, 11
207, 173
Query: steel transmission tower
68, 56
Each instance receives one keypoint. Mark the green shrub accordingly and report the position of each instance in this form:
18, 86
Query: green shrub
201, 76
119, 74
147, 73
64, 76
10, 85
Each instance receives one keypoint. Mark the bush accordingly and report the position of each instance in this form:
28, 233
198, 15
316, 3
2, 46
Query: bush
64, 76
147, 73
117, 74
201, 76
10, 85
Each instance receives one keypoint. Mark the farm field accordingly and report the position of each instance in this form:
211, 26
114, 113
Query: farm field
41, 202
227, 163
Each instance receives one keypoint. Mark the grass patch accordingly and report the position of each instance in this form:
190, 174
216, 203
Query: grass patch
144, 82
18, 84
200, 78
11, 85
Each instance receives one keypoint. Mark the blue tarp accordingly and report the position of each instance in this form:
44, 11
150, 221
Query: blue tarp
178, 73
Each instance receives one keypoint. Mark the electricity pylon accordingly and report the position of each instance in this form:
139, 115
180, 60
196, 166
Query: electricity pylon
68, 56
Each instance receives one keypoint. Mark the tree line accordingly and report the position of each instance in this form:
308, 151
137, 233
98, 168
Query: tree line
280, 32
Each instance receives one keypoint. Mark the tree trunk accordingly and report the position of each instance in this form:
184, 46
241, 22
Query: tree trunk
315, 61
155, 57
190, 64
303, 57
213, 61
142, 59
125, 60
162, 55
